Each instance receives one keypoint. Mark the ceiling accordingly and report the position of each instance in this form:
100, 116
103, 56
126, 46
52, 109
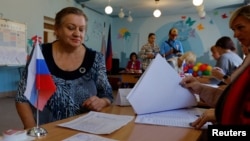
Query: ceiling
145, 8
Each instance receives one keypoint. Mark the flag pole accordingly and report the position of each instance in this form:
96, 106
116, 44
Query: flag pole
37, 131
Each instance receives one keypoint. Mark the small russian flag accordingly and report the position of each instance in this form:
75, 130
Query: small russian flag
40, 85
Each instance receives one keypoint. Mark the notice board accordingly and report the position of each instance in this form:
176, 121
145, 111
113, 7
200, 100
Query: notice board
12, 43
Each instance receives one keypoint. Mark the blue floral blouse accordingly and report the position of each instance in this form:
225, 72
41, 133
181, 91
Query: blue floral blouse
72, 87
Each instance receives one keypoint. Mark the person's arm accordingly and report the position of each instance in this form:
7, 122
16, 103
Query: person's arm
210, 95
207, 94
104, 89
25, 113
181, 48
142, 53
22, 104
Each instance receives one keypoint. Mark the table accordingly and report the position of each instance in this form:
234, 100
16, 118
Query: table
130, 132
130, 77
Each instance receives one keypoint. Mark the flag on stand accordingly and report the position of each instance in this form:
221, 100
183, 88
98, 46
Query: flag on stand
109, 52
40, 85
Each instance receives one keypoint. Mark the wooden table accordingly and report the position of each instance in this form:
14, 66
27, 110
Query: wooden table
130, 132
130, 77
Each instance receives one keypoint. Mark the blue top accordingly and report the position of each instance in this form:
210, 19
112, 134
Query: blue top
72, 87
229, 62
167, 45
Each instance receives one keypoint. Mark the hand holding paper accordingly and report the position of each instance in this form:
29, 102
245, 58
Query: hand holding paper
158, 89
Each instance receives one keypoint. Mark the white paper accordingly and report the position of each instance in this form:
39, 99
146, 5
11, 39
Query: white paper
158, 89
98, 123
121, 98
87, 137
178, 118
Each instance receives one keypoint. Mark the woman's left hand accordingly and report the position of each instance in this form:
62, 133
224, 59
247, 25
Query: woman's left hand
95, 103
207, 116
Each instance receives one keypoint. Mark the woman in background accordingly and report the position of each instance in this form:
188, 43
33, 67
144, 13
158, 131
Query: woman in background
133, 65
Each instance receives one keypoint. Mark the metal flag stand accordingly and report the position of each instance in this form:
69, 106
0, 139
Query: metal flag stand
37, 131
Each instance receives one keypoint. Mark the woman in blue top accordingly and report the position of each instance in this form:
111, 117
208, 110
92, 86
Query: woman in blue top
171, 47
79, 74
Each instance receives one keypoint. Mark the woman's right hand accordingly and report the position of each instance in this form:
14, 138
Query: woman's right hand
192, 84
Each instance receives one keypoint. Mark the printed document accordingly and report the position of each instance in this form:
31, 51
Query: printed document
178, 118
158, 89
87, 137
98, 123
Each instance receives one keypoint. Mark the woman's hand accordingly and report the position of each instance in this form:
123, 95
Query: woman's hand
95, 103
207, 116
218, 73
192, 84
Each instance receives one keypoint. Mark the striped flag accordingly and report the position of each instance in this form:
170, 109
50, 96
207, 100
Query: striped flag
109, 52
103, 47
40, 85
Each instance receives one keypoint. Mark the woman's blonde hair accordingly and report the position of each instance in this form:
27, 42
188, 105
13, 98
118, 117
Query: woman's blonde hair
242, 11
188, 57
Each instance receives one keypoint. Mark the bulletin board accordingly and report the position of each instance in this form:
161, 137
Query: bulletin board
12, 43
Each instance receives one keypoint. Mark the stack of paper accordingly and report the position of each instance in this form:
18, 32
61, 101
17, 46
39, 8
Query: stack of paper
158, 89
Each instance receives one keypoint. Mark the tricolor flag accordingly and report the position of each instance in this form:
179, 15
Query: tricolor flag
103, 47
109, 52
40, 85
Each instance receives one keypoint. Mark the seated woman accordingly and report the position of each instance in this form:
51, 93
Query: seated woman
133, 65
176, 62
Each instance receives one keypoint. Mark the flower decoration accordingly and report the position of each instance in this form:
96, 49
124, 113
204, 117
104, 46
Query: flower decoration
124, 33
33, 40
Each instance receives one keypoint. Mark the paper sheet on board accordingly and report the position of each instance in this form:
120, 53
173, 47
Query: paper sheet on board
98, 123
158, 89
177, 118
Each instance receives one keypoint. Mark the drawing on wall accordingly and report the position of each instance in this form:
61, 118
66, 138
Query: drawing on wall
12, 43
124, 34
200, 26
224, 16
190, 22
184, 30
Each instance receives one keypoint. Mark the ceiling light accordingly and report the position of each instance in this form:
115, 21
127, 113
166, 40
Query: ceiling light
157, 13
108, 9
121, 14
130, 19
202, 14
197, 2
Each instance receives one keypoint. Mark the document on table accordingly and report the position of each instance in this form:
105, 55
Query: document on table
158, 89
98, 123
87, 137
178, 118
